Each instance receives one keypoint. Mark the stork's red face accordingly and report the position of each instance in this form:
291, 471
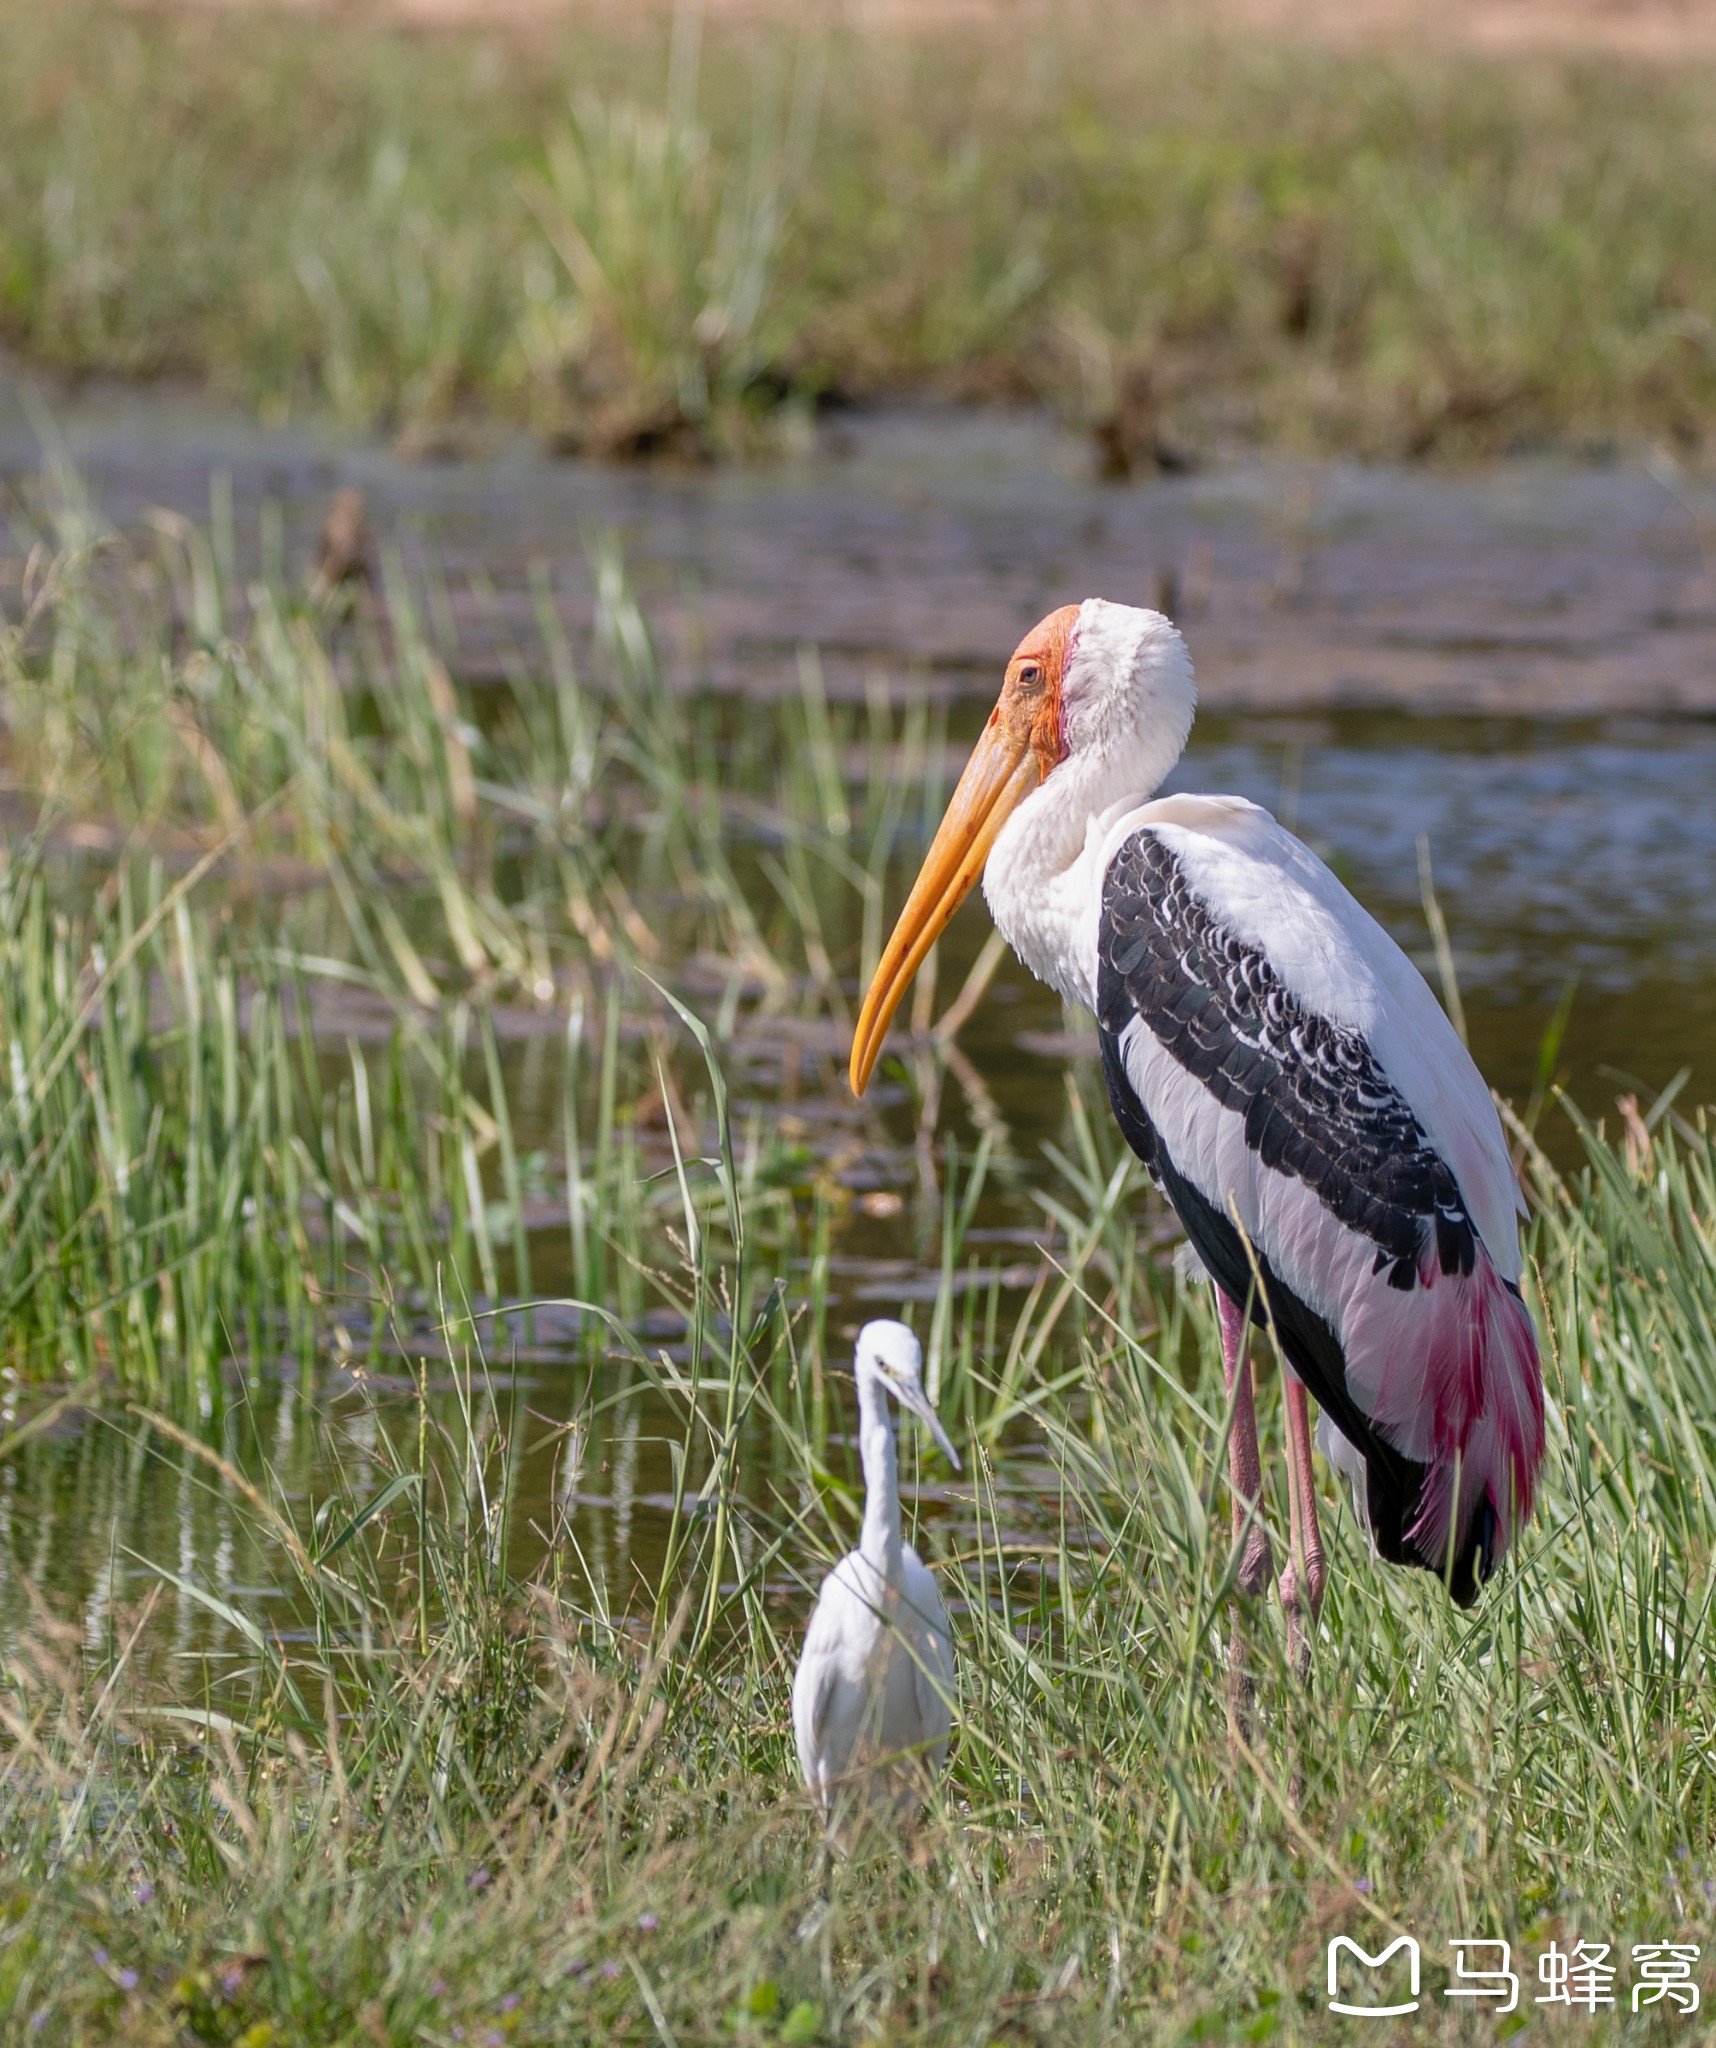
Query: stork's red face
1022, 742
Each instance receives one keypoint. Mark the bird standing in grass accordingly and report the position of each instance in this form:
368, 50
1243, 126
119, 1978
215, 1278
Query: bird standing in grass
1292, 1085
872, 1703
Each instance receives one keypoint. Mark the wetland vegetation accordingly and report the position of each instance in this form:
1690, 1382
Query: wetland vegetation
423, 1149
1184, 237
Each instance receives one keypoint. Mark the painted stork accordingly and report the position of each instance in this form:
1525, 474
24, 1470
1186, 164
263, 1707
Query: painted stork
872, 1700
1293, 1087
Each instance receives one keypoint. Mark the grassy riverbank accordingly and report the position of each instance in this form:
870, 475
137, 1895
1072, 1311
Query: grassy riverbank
1181, 240
459, 1808
274, 1147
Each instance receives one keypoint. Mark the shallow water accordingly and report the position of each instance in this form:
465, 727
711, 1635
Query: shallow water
1503, 667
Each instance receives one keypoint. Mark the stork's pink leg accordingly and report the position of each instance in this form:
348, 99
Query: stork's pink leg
1245, 1464
1245, 1471
1307, 1570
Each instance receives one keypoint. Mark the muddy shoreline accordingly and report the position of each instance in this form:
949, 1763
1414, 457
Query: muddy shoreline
924, 540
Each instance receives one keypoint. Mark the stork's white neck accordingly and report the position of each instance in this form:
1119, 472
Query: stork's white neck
1043, 882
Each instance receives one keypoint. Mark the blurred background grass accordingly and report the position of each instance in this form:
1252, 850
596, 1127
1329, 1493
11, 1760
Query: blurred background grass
636, 231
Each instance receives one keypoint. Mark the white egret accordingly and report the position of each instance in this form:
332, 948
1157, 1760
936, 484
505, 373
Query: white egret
872, 1703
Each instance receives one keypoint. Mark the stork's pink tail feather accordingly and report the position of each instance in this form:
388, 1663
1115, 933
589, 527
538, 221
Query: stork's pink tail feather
1485, 1394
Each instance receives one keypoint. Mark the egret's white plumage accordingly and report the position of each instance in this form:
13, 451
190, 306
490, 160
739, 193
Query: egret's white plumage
872, 1702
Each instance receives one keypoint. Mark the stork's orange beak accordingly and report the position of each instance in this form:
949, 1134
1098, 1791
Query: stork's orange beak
1018, 747
1001, 773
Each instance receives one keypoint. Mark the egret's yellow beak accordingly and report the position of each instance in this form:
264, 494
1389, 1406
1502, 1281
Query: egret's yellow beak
1019, 745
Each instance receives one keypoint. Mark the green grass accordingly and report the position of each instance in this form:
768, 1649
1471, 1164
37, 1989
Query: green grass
1182, 241
459, 1775
463, 1802
453, 867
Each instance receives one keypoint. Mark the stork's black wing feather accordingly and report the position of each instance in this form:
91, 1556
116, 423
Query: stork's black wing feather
1316, 1106
1315, 1102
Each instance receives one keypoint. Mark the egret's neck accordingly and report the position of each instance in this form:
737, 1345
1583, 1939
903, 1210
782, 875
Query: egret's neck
880, 1542
1041, 881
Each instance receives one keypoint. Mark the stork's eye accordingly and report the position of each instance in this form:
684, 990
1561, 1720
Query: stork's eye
1031, 673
